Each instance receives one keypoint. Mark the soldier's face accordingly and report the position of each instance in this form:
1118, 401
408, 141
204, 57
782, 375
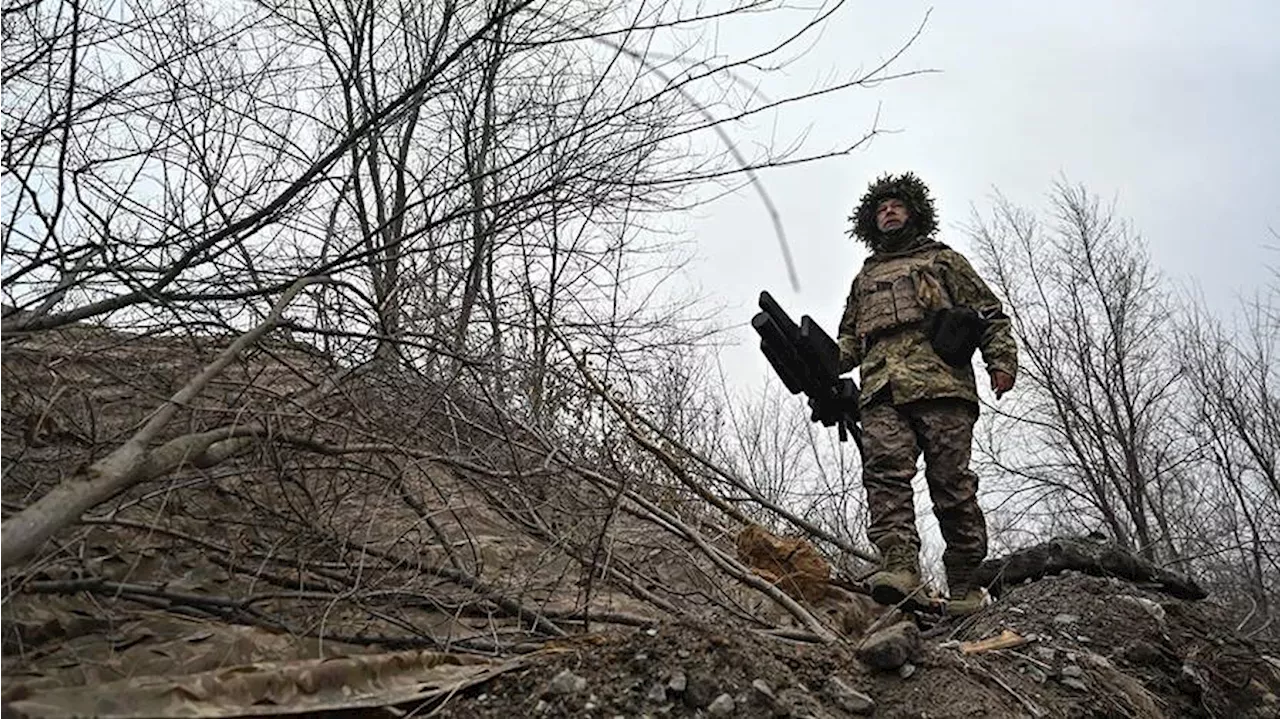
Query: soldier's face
891, 214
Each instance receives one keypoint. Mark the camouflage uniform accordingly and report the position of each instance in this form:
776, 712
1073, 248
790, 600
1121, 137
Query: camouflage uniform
912, 401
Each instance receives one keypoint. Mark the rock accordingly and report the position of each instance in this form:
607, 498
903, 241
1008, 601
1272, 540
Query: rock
1066, 619
1076, 684
679, 682
1072, 670
540, 707
1153, 608
723, 706
906, 670
657, 693
777, 705
698, 692
891, 647
794, 702
1142, 653
1189, 681
566, 682
1045, 654
1037, 675
848, 698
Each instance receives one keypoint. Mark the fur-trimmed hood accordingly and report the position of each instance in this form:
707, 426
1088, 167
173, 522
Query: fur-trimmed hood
922, 223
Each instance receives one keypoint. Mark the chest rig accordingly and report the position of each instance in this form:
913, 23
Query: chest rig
895, 292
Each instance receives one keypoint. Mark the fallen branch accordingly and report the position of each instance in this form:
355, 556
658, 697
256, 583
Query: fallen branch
1099, 558
1031, 707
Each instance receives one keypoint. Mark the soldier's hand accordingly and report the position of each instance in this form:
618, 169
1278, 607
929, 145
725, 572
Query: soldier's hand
1001, 382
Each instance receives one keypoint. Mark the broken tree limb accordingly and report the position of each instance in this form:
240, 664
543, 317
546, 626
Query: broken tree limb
1097, 557
135, 460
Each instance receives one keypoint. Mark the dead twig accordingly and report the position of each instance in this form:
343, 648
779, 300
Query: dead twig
1032, 708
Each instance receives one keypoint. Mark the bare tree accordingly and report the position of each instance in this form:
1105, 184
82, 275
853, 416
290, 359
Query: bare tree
460, 180
1099, 413
1234, 414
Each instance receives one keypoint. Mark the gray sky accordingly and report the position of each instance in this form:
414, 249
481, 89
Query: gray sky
1171, 108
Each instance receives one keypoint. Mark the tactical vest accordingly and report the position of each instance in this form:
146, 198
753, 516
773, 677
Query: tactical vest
898, 291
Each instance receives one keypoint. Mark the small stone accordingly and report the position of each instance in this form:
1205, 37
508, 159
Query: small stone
1189, 681
566, 682
679, 682
1045, 654
1037, 675
1143, 654
765, 697
1072, 670
1270, 698
723, 706
1076, 684
589, 706
641, 657
1082, 639
1152, 608
1066, 619
848, 698
652, 631
762, 688
699, 692
540, 707
906, 670
891, 647
683, 654
791, 703
657, 693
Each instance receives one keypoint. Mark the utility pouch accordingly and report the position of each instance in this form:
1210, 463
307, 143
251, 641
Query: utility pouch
955, 333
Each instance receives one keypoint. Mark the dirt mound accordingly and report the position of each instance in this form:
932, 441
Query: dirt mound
533, 582
1086, 647
1111, 648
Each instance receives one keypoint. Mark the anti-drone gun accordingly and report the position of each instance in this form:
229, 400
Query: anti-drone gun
807, 360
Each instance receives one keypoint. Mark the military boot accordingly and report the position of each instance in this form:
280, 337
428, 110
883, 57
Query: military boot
966, 597
899, 576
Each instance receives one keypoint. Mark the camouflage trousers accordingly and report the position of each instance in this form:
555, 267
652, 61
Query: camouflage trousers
893, 438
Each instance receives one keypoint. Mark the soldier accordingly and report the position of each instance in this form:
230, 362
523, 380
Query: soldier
912, 400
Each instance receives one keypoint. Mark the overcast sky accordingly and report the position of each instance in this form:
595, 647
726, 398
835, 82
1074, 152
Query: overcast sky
1170, 108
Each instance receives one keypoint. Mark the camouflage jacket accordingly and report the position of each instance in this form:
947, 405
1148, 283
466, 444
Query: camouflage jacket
899, 357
